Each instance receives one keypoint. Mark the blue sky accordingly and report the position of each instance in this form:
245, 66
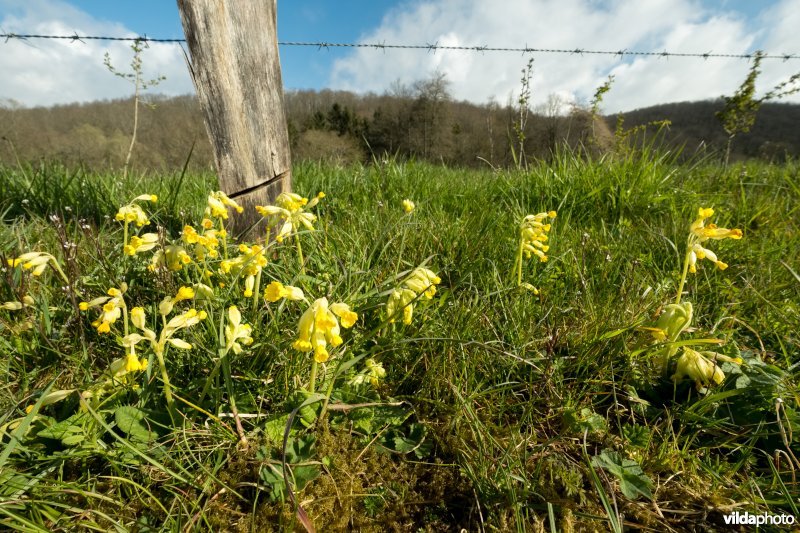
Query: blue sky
43, 73
298, 20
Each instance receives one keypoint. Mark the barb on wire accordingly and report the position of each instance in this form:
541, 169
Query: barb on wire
429, 47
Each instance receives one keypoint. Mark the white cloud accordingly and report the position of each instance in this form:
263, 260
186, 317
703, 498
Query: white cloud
45, 72
655, 25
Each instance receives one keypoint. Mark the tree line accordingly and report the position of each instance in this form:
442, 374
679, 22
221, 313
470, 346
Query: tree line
421, 120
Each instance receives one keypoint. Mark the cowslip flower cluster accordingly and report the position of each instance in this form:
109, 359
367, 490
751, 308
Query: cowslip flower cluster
159, 343
319, 327
702, 367
218, 204
408, 205
168, 303
421, 283
16, 305
132, 213
533, 232
277, 290
290, 207
172, 257
248, 264
204, 245
372, 373
138, 244
112, 307
700, 232
37, 263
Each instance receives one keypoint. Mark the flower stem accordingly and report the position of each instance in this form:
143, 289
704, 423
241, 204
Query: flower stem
328, 393
167, 388
300, 254
518, 263
312, 381
683, 274
255, 292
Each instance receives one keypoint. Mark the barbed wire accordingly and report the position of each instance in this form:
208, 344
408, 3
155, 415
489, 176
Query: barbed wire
430, 47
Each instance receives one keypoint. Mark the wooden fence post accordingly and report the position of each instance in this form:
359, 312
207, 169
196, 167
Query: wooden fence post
237, 74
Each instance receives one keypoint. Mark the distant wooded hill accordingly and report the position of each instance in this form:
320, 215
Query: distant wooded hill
694, 126
421, 121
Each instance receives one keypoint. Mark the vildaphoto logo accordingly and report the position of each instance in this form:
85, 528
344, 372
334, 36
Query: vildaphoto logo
745, 518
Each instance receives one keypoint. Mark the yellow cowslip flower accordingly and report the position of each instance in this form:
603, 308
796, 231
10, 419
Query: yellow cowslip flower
408, 205
699, 232
401, 299
173, 257
166, 305
343, 311
36, 262
248, 264
702, 367
277, 290
289, 207
373, 372
533, 235
423, 281
132, 213
111, 305
204, 245
27, 301
236, 332
218, 203
138, 244
318, 327
158, 344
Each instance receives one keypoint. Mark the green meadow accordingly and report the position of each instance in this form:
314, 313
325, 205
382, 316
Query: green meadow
587, 399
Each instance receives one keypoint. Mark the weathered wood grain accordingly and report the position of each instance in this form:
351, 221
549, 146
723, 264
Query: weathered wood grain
237, 74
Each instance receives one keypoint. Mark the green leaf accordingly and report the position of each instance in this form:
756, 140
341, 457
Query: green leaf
303, 475
636, 435
275, 428
586, 420
632, 480
272, 477
133, 422
66, 429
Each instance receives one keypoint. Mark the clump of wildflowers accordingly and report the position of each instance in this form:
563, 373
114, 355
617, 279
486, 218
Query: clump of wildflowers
699, 233
408, 205
37, 263
236, 333
172, 257
277, 290
420, 284
203, 245
533, 232
318, 327
132, 213
141, 244
290, 208
15, 305
401, 299
158, 343
700, 366
249, 264
112, 306
218, 204
372, 373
